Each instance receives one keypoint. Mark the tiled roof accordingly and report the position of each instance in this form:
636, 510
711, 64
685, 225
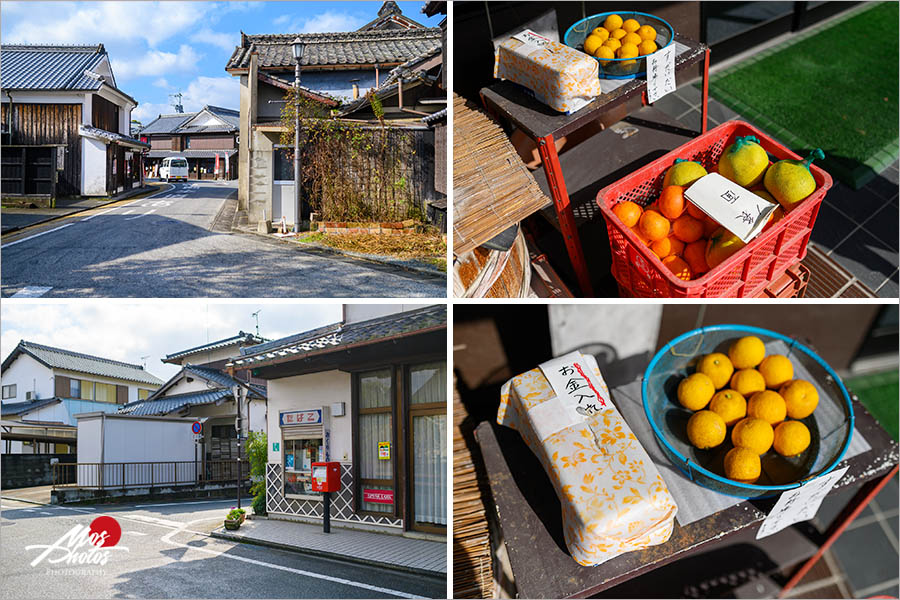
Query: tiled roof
242, 337
329, 49
169, 404
58, 358
177, 122
166, 123
411, 73
101, 134
21, 408
215, 378
441, 114
337, 337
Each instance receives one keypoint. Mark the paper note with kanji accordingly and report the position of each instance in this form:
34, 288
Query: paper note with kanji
799, 504
660, 73
737, 209
613, 498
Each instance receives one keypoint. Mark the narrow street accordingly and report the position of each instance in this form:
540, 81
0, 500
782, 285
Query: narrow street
166, 245
165, 552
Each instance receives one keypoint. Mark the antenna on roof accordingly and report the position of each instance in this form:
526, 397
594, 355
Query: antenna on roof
177, 105
144, 361
256, 316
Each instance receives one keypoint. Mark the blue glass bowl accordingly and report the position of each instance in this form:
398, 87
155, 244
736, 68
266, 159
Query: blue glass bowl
830, 425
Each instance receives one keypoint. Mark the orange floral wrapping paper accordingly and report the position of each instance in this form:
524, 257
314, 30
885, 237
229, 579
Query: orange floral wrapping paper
561, 77
613, 498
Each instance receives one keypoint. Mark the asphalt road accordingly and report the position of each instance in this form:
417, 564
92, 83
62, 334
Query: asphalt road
164, 246
170, 555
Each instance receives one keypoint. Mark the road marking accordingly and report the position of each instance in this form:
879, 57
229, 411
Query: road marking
155, 520
167, 539
249, 500
44, 512
141, 215
31, 291
127, 212
136, 533
37, 235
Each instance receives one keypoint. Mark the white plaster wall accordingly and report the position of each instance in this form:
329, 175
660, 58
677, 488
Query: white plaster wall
183, 386
208, 356
87, 112
140, 440
364, 312
89, 447
28, 375
93, 167
312, 391
45, 97
630, 329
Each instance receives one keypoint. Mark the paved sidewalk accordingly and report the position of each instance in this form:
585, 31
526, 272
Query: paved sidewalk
381, 549
39, 494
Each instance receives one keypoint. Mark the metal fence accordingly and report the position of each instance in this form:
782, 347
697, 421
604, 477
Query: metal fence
122, 475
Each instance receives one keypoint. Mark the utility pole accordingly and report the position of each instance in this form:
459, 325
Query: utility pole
236, 390
256, 316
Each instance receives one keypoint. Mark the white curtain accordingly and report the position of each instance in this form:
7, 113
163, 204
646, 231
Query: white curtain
430, 468
428, 383
375, 392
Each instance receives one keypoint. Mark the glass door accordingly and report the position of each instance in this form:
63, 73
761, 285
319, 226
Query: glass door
427, 443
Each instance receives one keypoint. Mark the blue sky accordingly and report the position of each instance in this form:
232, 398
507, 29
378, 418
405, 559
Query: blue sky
159, 48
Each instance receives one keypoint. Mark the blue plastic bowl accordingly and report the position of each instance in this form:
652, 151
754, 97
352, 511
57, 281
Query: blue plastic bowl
619, 68
830, 426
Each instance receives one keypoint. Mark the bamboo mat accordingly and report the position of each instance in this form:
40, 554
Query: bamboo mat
473, 573
492, 188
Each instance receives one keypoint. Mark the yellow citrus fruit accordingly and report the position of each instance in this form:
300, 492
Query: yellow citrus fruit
747, 352
706, 429
647, 33
718, 367
791, 438
777, 370
768, 406
603, 33
613, 44
647, 47
628, 50
618, 34
592, 42
742, 465
632, 38
606, 52
612, 23
801, 398
695, 391
631, 25
729, 405
753, 434
747, 382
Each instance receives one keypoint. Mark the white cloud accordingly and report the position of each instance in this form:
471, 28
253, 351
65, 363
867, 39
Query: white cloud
325, 22
146, 112
126, 332
158, 62
225, 41
218, 91
281, 20
153, 22
161, 82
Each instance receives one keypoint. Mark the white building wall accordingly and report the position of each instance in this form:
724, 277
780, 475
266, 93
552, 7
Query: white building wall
209, 356
89, 440
364, 312
29, 376
312, 391
257, 420
93, 167
183, 386
130, 439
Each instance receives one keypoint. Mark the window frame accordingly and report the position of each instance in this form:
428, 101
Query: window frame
275, 149
311, 496
72, 383
393, 410
6, 389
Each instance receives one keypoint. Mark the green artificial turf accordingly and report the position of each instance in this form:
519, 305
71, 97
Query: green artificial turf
833, 87
879, 393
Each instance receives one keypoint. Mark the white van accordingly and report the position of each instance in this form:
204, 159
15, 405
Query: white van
174, 168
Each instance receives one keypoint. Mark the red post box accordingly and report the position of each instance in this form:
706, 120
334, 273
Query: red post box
326, 476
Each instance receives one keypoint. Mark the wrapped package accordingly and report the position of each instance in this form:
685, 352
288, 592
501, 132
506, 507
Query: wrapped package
613, 498
561, 77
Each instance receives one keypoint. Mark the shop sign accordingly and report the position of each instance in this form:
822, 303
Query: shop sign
302, 417
378, 496
384, 450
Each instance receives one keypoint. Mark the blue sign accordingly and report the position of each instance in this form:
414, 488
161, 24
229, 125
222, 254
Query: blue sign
197, 427
301, 417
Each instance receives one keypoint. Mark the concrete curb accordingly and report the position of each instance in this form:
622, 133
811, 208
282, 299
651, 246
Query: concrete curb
14, 499
76, 212
409, 265
220, 533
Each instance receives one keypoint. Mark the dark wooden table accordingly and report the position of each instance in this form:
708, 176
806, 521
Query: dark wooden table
529, 516
508, 101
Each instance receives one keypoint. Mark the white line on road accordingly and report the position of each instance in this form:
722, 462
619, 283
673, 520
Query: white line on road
37, 235
167, 539
141, 215
127, 212
248, 500
32, 291
44, 512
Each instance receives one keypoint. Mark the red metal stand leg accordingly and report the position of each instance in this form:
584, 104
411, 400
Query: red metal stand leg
550, 159
856, 506
705, 92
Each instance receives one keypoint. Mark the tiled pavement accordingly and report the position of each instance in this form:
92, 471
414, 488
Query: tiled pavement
856, 228
395, 551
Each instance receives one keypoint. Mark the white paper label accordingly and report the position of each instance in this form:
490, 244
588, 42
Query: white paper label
739, 210
800, 504
575, 385
552, 416
531, 38
660, 73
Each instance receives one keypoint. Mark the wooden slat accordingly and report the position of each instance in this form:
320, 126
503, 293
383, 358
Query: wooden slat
52, 124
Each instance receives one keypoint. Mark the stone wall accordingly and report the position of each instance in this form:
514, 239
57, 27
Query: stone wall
29, 470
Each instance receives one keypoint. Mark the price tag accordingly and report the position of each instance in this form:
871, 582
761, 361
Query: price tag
800, 504
739, 210
531, 38
660, 73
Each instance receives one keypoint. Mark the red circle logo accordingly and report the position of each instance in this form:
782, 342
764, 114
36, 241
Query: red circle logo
110, 527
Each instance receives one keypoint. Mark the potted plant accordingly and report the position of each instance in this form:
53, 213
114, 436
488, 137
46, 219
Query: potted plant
235, 518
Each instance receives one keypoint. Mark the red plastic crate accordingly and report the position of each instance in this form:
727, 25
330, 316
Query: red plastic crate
743, 275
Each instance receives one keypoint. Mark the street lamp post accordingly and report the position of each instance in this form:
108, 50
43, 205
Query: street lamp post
298, 54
